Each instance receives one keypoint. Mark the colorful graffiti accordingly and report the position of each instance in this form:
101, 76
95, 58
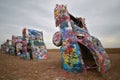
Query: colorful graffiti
35, 45
76, 43
29, 46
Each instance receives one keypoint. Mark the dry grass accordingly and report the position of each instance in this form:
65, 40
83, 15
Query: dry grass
15, 68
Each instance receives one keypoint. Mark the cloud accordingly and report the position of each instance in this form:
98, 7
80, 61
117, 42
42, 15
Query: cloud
102, 18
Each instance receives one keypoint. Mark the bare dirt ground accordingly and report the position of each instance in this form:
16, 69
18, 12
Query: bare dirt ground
15, 68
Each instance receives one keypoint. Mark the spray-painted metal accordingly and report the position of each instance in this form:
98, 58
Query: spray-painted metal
79, 50
36, 47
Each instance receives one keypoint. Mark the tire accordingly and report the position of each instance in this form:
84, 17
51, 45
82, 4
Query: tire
57, 39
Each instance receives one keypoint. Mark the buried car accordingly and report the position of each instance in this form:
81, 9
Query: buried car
79, 50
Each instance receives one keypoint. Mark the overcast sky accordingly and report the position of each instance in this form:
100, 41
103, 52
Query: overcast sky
102, 18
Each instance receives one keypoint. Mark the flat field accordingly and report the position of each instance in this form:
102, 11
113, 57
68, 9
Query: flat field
15, 68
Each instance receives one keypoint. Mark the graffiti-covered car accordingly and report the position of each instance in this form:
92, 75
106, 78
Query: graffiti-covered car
35, 44
79, 50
